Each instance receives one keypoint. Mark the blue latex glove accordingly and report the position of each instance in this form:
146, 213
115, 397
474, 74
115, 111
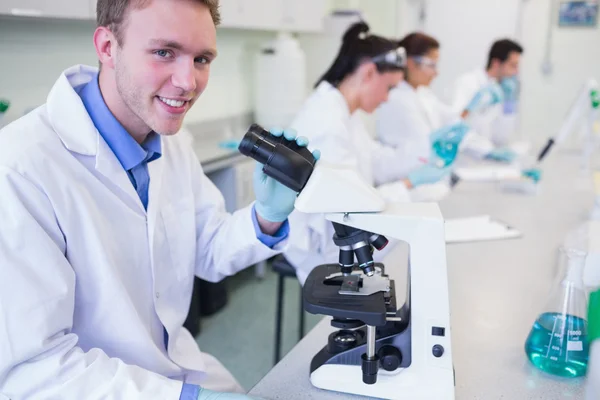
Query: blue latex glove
229, 144
511, 90
274, 201
501, 155
206, 394
535, 174
453, 133
510, 87
486, 97
427, 174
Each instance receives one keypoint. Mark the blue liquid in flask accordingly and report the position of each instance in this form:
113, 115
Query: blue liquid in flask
446, 151
558, 344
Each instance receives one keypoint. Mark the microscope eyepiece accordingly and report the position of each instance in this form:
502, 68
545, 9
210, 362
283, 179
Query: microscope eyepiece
283, 159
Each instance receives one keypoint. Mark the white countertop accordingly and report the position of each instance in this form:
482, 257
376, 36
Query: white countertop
213, 157
497, 289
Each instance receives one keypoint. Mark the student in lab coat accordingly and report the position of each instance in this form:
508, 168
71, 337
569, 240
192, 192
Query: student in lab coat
498, 121
366, 68
413, 116
107, 217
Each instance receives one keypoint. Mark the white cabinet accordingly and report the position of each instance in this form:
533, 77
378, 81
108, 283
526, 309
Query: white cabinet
303, 15
289, 15
251, 14
71, 9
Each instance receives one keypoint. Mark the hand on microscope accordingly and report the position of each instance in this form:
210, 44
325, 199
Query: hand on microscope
206, 394
274, 201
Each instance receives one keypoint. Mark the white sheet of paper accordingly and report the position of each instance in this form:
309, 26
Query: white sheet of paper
477, 228
488, 173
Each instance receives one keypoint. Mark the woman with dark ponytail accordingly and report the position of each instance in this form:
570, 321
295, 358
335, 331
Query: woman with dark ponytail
366, 68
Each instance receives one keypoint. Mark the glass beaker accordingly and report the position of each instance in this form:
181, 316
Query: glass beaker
558, 341
444, 152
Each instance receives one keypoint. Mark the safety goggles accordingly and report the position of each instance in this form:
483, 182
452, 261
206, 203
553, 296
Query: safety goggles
425, 62
393, 59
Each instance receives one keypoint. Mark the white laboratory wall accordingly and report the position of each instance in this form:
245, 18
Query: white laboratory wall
35, 51
466, 28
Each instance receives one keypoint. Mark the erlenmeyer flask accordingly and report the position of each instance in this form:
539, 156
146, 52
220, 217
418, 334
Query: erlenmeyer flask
444, 152
558, 341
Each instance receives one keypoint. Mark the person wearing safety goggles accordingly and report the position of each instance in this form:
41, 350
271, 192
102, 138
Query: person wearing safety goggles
416, 119
366, 68
491, 97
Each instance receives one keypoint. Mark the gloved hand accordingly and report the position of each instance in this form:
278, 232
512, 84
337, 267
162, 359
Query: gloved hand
206, 394
486, 97
535, 174
511, 90
501, 155
445, 142
428, 173
510, 87
274, 201
453, 133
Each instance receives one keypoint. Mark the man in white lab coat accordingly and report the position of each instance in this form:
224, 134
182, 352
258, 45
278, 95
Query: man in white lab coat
497, 122
107, 217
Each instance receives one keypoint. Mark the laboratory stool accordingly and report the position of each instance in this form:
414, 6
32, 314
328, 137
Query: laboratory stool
285, 270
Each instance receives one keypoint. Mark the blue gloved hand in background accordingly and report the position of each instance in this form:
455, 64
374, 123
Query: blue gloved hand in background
274, 201
446, 140
486, 97
453, 133
510, 87
535, 174
206, 394
428, 173
501, 155
511, 91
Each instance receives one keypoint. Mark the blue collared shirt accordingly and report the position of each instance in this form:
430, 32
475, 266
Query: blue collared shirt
134, 159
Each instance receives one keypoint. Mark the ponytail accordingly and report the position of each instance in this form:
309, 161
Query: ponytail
357, 45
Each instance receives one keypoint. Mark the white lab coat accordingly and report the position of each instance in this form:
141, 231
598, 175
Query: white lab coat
411, 115
342, 139
88, 278
491, 124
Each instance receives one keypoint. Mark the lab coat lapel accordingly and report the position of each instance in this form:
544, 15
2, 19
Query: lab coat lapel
73, 125
117, 180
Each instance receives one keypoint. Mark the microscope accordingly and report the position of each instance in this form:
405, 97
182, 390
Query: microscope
384, 347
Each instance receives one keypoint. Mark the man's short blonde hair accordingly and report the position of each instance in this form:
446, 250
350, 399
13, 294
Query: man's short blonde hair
112, 13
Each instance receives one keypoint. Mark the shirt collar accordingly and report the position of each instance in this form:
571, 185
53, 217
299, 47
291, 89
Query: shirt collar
123, 145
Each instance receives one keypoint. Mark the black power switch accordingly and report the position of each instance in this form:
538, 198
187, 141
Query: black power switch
438, 331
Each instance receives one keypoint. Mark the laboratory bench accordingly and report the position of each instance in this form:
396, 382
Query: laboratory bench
497, 289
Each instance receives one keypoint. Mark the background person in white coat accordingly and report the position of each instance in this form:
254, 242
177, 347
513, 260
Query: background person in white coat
362, 74
414, 116
498, 121
107, 217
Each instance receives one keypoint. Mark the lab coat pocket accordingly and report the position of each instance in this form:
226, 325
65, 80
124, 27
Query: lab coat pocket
180, 230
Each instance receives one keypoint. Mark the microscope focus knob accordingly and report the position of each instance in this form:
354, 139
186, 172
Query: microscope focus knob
437, 350
390, 357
